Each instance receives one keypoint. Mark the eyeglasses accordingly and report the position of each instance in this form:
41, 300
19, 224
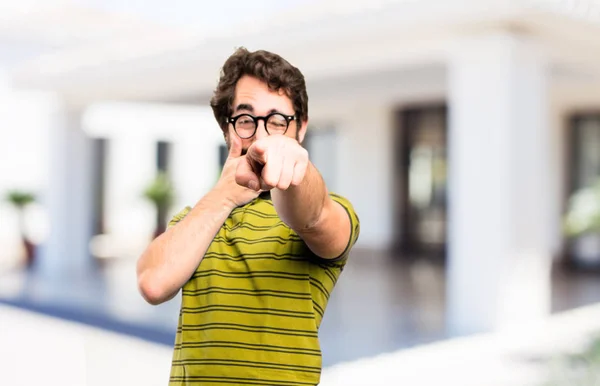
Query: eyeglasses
275, 123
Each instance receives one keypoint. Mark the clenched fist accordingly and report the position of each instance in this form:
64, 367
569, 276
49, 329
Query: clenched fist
277, 161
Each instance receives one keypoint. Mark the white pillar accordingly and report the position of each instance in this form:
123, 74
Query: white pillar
68, 198
499, 260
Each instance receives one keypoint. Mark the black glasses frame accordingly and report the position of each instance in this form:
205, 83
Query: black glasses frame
233, 120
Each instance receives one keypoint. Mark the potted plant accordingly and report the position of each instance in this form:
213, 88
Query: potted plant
160, 192
581, 367
582, 224
20, 200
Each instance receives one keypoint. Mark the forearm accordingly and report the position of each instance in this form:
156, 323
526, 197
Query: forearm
172, 258
301, 206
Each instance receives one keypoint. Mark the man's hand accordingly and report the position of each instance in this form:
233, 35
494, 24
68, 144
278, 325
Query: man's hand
276, 161
227, 186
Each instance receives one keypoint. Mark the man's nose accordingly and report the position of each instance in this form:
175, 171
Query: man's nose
261, 131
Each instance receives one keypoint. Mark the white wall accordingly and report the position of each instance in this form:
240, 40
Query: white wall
323, 153
131, 166
347, 103
361, 109
365, 172
133, 130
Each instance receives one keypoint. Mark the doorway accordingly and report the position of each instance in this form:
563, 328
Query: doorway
583, 252
421, 182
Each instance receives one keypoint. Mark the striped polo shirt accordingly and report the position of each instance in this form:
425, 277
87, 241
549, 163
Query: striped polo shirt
250, 314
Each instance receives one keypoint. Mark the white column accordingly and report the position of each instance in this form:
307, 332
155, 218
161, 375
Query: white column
499, 260
364, 166
68, 198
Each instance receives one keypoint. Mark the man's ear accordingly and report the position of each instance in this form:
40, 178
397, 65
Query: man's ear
302, 132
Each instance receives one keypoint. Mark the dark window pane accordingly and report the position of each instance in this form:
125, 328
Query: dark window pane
162, 156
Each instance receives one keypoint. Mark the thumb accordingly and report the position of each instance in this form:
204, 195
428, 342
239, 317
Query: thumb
235, 146
245, 175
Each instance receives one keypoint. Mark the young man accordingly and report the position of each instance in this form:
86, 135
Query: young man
258, 256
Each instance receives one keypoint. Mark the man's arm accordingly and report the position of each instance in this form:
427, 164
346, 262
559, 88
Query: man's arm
171, 259
278, 163
321, 222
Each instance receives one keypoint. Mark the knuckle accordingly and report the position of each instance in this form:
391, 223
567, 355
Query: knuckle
270, 181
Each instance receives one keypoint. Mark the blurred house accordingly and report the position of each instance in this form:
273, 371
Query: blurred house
457, 128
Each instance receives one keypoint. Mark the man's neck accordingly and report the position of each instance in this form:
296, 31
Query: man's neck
265, 195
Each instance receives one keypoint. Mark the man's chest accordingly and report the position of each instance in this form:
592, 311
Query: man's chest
255, 250
255, 269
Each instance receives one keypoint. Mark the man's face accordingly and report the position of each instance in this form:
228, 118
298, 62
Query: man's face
254, 97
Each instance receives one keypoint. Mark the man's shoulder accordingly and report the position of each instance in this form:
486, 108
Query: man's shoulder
345, 202
340, 198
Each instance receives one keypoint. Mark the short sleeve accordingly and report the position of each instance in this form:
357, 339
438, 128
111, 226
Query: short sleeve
354, 226
179, 216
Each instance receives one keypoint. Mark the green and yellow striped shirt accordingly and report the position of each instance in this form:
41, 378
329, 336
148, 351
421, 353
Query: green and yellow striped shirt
251, 312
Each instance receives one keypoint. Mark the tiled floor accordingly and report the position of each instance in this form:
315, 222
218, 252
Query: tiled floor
378, 305
39, 350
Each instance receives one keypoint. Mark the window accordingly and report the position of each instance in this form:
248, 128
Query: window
223, 153
99, 151
421, 180
584, 170
163, 150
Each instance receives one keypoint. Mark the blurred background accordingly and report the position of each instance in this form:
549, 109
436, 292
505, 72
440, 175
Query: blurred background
465, 133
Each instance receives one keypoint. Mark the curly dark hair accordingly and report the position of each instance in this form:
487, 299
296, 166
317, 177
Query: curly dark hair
266, 66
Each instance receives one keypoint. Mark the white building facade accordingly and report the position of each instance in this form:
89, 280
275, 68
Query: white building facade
447, 124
